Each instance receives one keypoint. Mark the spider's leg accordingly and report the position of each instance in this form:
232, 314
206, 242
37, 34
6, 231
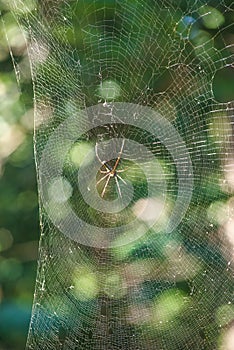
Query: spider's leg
101, 161
102, 179
104, 171
107, 167
122, 146
119, 156
119, 177
122, 170
104, 189
117, 184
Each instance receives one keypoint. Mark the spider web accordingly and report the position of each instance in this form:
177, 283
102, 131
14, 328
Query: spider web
149, 265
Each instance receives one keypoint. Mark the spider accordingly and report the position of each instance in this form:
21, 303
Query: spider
111, 172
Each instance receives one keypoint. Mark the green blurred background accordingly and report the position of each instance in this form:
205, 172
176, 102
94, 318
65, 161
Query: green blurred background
19, 230
19, 227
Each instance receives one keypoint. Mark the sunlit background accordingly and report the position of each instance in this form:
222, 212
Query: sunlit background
19, 228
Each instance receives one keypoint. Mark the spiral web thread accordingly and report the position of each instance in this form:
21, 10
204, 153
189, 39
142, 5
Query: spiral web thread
93, 64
